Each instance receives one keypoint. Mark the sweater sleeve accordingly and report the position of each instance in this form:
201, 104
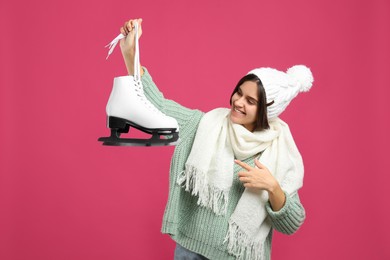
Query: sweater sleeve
182, 114
288, 219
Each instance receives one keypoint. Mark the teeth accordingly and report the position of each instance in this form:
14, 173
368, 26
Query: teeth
235, 109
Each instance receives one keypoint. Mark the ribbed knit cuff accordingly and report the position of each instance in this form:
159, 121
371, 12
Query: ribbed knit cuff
147, 77
289, 218
280, 213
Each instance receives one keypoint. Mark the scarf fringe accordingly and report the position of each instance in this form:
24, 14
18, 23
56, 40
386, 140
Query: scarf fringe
241, 245
194, 181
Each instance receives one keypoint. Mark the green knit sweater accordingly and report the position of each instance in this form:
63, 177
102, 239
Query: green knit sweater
196, 228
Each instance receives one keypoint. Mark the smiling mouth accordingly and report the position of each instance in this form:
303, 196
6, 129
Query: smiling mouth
238, 111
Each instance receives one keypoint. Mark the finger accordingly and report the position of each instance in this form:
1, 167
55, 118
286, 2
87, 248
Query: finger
123, 31
129, 25
243, 174
259, 165
243, 165
244, 179
125, 27
133, 23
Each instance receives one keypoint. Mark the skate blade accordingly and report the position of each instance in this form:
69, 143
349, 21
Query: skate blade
123, 126
134, 142
153, 141
120, 126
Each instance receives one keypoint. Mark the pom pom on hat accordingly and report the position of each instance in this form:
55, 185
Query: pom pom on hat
303, 75
282, 87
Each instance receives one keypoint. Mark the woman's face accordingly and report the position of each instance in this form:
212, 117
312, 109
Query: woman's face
244, 105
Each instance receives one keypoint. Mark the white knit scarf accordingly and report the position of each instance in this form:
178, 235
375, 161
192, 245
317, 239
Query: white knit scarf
209, 175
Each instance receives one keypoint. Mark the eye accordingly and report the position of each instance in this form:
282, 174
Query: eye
239, 92
252, 102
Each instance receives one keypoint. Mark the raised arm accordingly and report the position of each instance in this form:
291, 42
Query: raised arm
182, 114
128, 44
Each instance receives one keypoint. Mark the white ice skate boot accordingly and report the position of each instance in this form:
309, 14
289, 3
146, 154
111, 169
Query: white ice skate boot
128, 107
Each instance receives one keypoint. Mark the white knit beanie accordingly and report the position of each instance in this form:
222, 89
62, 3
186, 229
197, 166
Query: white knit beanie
281, 87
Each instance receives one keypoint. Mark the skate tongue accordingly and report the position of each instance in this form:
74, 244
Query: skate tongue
113, 43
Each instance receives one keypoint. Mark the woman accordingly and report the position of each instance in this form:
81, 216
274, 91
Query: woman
223, 203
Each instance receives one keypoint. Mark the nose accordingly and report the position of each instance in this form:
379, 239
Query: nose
239, 102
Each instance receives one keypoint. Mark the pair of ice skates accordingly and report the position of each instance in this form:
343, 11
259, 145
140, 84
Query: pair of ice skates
128, 107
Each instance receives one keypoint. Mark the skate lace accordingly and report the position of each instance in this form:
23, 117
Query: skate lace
137, 70
111, 46
140, 93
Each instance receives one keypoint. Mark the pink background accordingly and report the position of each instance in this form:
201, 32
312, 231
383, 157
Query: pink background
65, 196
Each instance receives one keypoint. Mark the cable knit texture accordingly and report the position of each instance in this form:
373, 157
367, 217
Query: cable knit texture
196, 228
